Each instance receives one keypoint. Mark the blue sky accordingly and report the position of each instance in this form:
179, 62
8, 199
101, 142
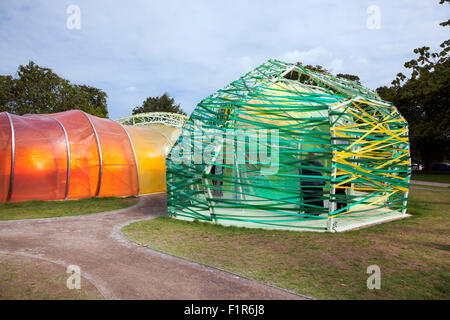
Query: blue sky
135, 49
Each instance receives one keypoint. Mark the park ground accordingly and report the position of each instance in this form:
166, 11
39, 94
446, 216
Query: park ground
22, 277
431, 177
27, 278
413, 254
54, 209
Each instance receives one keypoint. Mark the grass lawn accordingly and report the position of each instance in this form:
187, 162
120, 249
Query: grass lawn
51, 209
33, 279
432, 177
413, 254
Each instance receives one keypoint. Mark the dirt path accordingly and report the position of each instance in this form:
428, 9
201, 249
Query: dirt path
415, 183
428, 189
431, 184
121, 269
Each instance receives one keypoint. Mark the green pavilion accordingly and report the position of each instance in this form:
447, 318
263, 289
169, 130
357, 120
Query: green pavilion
285, 147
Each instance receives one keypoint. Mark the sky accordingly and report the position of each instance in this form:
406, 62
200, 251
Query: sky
189, 49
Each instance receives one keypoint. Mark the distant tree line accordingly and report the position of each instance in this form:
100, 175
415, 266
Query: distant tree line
36, 89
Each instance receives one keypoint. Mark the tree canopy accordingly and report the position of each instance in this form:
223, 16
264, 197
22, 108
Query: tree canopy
163, 103
319, 68
40, 90
349, 77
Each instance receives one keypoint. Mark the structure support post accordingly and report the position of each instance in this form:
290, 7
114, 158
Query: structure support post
332, 202
13, 157
405, 202
100, 158
217, 149
66, 193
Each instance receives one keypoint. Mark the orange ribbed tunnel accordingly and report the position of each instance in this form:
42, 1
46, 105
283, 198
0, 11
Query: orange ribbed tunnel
72, 155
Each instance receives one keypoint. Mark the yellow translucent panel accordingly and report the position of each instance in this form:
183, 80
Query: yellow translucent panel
256, 110
150, 147
171, 133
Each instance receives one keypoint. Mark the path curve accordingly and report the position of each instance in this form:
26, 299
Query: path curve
121, 269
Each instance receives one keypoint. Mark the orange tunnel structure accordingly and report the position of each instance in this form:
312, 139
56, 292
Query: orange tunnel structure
73, 155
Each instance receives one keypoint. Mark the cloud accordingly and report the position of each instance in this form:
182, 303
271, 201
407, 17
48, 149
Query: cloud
247, 63
336, 65
312, 56
315, 56
130, 89
362, 60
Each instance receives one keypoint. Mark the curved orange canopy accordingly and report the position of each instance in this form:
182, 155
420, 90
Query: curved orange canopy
72, 155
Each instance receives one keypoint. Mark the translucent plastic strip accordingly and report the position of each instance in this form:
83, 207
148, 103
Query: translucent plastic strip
40, 167
135, 158
68, 157
119, 177
150, 147
7, 157
100, 159
84, 156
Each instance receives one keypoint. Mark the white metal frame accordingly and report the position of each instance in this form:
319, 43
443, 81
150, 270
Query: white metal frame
13, 156
66, 194
166, 118
100, 158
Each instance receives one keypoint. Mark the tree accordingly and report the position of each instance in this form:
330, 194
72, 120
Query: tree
6, 92
317, 68
424, 100
40, 90
162, 103
445, 23
349, 77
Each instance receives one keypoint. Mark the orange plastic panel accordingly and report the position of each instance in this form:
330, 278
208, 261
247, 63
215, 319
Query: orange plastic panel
41, 157
40, 168
119, 171
84, 157
5, 156
150, 147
